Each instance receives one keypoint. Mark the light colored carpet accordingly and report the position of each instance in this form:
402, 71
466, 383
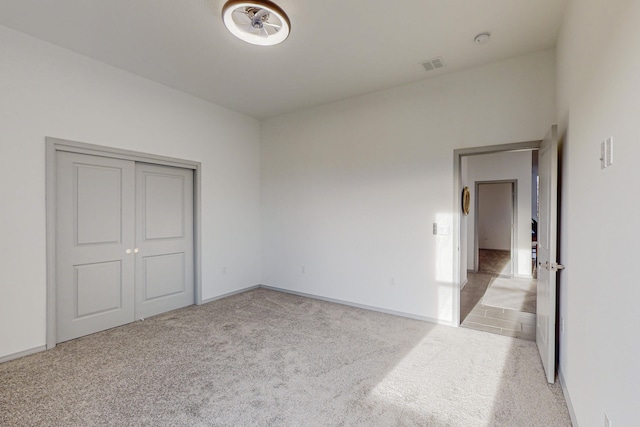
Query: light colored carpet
265, 358
514, 293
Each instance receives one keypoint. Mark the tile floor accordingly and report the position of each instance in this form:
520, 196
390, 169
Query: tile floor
494, 262
502, 321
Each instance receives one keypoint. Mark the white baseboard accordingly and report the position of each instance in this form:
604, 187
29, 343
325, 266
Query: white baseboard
22, 353
567, 398
273, 288
362, 306
228, 294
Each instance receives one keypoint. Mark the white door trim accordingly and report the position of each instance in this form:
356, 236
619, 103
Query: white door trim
52, 146
457, 206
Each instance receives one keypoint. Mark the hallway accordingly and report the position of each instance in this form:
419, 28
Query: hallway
498, 320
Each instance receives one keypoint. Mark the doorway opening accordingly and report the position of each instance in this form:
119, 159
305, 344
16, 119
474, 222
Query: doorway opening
496, 218
498, 287
547, 265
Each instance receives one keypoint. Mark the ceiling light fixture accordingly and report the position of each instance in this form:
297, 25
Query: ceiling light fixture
482, 38
258, 22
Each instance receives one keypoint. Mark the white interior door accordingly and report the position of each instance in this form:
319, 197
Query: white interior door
94, 228
547, 252
164, 239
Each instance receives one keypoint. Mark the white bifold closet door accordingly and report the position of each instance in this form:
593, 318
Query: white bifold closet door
124, 242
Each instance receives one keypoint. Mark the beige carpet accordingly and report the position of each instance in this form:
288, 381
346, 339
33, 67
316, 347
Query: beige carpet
265, 358
513, 293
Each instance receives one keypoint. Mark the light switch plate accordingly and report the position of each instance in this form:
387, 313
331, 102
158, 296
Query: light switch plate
608, 151
441, 229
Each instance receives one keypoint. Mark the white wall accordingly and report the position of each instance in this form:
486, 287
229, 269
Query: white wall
495, 214
599, 97
350, 190
48, 91
502, 166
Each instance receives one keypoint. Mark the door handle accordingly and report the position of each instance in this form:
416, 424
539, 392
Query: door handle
136, 250
128, 251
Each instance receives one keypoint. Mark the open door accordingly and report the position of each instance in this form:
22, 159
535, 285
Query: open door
547, 252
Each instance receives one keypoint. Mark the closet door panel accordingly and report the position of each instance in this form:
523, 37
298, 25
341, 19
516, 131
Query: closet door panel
164, 239
95, 210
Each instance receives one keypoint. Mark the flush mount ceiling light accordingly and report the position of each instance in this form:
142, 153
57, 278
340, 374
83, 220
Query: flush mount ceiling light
259, 22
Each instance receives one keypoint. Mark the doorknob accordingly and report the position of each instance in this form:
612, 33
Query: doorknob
136, 250
128, 251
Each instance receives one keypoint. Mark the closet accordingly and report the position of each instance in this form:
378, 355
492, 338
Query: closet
124, 242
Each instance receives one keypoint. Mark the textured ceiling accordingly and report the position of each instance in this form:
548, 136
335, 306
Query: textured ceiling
337, 48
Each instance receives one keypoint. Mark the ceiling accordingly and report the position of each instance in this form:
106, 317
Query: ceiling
337, 48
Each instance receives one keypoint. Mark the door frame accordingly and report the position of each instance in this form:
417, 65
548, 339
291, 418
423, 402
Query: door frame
54, 145
458, 154
514, 223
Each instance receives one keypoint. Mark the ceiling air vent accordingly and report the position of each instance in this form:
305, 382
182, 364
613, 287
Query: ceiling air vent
433, 63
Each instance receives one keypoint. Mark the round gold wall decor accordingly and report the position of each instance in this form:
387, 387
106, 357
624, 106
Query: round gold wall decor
466, 200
